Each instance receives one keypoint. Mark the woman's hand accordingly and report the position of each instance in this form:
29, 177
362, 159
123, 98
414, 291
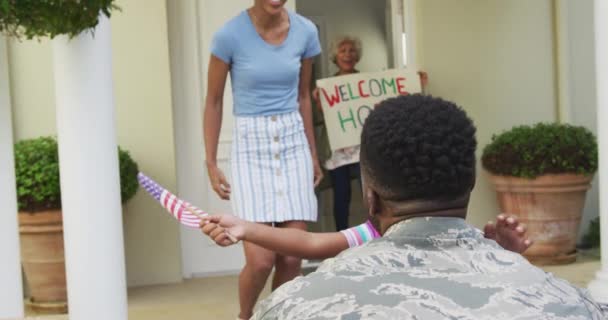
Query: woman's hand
212, 121
315, 97
424, 79
218, 181
318, 172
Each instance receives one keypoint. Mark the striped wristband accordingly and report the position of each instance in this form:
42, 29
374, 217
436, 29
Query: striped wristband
360, 234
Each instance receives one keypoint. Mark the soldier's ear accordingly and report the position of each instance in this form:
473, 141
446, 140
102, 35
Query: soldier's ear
373, 202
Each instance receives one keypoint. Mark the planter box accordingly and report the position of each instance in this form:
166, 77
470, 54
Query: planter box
42, 258
551, 207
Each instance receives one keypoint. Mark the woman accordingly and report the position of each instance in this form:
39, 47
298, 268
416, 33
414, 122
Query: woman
268, 52
343, 164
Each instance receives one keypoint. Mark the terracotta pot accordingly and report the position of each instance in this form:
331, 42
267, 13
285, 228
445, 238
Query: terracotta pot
41, 237
551, 207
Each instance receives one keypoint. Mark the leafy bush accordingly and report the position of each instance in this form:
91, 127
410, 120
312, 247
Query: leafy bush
49, 18
128, 175
531, 151
37, 175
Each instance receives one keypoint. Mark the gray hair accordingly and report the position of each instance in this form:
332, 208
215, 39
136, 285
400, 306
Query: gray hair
338, 41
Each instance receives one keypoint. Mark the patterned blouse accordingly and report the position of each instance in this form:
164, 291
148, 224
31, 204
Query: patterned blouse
342, 157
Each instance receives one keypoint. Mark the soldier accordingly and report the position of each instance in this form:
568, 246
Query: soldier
418, 170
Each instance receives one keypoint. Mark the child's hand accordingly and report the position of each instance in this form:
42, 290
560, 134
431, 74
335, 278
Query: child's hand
221, 228
216, 233
509, 233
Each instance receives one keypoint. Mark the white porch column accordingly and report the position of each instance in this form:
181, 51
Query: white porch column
11, 294
599, 286
90, 188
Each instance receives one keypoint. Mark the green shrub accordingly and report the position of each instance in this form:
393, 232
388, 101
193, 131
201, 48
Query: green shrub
49, 18
37, 175
531, 151
128, 175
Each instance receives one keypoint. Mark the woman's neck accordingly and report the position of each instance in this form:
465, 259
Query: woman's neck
264, 20
345, 72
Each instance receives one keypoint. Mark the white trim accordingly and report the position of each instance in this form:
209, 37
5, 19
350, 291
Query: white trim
599, 286
189, 37
401, 18
562, 61
185, 65
11, 295
395, 31
409, 14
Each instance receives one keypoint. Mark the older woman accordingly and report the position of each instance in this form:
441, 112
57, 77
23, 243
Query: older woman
343, 164
346, 51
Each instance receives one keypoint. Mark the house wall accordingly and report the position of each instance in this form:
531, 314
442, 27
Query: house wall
494, 58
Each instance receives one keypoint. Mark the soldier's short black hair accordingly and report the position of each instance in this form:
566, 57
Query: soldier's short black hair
419, 147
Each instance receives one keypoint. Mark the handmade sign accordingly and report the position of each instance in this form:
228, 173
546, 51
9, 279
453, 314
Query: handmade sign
348, 100
187, 214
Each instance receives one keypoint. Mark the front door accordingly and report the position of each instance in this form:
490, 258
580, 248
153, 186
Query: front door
192, 24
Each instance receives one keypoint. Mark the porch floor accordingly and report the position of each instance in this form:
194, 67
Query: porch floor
216, 297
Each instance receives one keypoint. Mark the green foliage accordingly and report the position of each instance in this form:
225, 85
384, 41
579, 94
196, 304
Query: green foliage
49, 18
128, 175
37, 175
592, 238
531, 151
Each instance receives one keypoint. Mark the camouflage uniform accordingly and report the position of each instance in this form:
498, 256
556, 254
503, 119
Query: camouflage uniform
428, 268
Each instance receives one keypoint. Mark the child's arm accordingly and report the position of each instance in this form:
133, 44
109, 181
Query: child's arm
293, 242
285, 241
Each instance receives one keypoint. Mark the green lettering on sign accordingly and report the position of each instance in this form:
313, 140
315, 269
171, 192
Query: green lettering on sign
346, 120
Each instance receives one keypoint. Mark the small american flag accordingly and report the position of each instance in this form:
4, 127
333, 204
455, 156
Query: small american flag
181, 210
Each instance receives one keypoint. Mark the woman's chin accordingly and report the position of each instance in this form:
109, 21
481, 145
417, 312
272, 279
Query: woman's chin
274, 7
347, 69
273, 10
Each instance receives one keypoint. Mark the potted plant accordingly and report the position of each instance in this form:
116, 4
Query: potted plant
37, 169
40, 219
541, 174
36, 19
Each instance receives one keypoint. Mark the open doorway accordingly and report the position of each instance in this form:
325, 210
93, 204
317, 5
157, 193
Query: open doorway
372, 22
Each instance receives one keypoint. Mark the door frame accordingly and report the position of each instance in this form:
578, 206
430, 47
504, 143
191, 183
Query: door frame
188, 41
323, 59
401, 18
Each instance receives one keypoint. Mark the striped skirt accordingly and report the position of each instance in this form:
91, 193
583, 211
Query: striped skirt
272, 173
